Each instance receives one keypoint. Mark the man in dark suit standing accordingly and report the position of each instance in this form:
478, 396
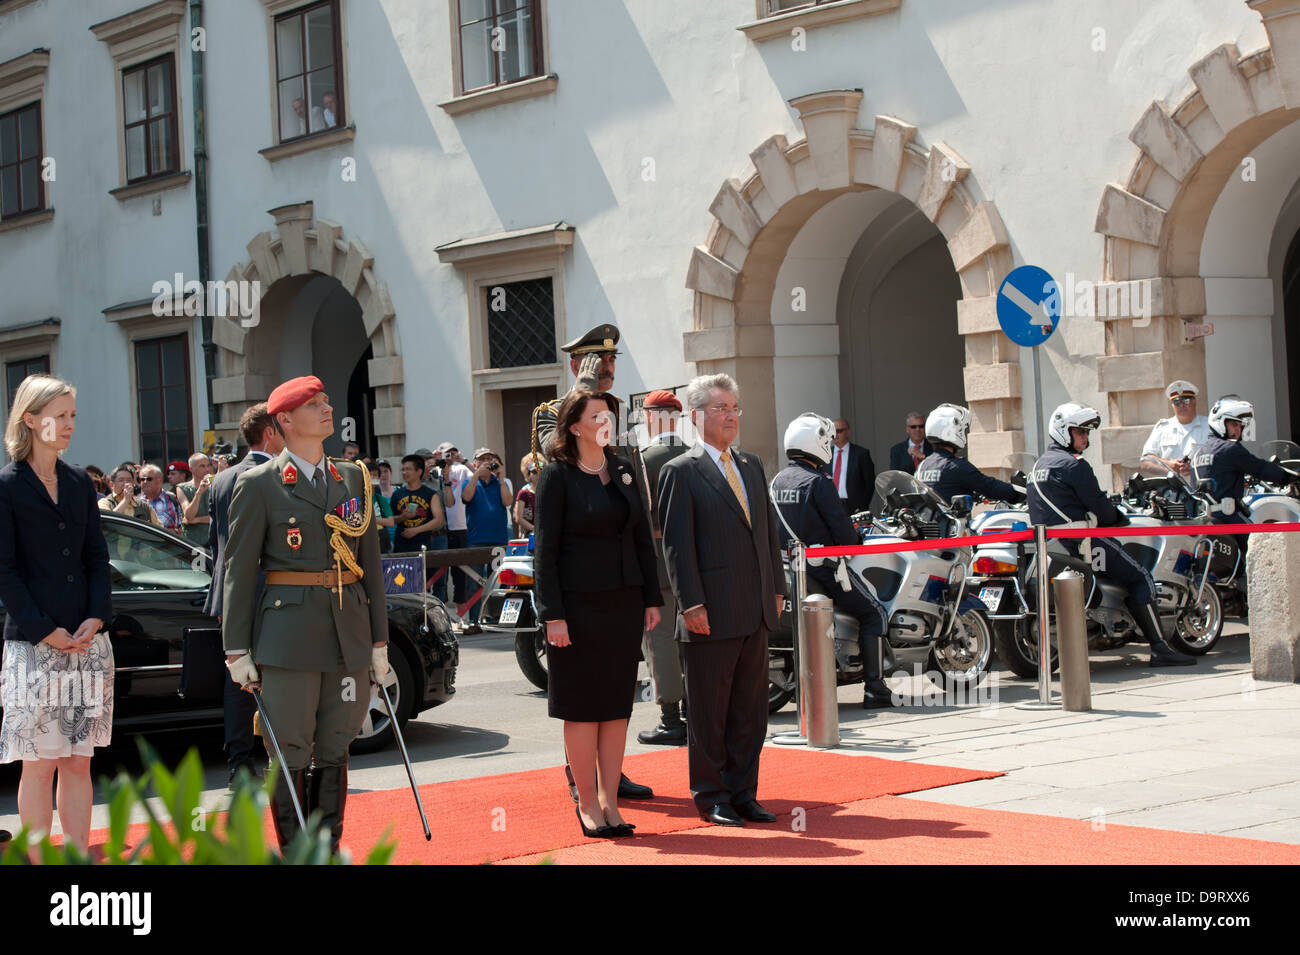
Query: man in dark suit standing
264, 442
852, 471
910, 452
721, 548
659, 647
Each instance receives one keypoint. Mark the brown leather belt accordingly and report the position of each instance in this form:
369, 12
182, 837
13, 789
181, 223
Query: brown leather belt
302, 578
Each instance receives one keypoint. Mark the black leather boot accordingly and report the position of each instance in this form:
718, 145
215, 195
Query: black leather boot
283, 817
671, 731
875, 694
329, 794
1162, 654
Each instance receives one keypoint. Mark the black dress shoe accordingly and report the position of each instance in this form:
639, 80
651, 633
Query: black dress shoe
752, 811
722, 814
664, 734
630, 790
600, 832
1163, 655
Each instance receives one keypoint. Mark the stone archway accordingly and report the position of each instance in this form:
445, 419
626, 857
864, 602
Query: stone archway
301, 247
754, 222
1154, 225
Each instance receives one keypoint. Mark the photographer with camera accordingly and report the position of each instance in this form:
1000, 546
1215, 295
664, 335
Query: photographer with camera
488, 498
127, 498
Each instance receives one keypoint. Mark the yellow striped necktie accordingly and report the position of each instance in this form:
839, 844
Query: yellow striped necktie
734, 480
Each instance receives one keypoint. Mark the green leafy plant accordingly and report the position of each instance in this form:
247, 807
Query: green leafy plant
182, 832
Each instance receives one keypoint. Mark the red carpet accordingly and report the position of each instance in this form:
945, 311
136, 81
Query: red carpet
890, 830
832, 808
498, 817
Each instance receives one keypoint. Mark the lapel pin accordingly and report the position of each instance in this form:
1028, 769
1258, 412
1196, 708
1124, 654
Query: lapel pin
627, 478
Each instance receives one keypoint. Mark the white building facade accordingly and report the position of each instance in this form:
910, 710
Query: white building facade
821, 199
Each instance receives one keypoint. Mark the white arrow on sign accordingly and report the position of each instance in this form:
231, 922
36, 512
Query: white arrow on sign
1037, 312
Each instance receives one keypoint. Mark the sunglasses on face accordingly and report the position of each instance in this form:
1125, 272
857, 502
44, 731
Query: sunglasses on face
915, 427
1185, 400
841, 430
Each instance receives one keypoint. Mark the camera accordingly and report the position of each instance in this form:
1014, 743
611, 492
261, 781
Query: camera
494, 466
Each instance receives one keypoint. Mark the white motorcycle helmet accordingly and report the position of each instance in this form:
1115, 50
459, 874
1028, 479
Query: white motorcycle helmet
1232, 408
1071, 415
950, 424
811, 436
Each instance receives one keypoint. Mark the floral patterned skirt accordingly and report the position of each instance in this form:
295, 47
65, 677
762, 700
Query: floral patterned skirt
56, 704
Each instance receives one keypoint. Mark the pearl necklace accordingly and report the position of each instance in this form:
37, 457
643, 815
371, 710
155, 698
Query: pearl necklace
603, 463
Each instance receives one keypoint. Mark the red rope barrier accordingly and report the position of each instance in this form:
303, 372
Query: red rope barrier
1054, 533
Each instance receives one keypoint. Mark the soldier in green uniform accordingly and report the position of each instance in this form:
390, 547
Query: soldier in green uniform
591, 359
318, 634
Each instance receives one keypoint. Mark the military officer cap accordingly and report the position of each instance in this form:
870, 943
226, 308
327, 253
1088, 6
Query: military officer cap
602, 338
1180, 387
293, 393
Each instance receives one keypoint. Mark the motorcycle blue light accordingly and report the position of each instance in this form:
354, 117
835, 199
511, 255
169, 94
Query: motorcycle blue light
1019, 526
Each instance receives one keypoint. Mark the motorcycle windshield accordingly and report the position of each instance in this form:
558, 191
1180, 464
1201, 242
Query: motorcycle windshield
1287, 452
898, 489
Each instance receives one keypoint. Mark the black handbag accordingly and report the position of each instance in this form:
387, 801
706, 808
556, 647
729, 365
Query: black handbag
203, 665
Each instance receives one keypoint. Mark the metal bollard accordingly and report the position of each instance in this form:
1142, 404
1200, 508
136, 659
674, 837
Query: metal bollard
1072, 640
819, 713
1045, 699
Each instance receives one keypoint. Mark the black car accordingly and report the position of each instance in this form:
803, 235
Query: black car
160, 585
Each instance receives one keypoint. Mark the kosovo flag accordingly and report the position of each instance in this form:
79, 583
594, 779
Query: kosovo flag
403, 575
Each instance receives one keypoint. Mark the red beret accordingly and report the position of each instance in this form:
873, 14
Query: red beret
293, 393
662, 399
180, 466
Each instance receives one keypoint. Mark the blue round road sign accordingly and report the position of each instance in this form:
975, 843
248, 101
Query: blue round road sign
1029, 305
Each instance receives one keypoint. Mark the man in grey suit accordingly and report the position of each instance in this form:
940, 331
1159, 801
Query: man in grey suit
659, 646
721, 548
264, 442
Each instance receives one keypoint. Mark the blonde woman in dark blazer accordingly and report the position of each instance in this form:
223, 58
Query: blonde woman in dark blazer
56, 684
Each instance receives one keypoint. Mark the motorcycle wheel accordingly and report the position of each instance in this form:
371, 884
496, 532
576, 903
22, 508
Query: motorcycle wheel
530, 651
1198, 628
965, 659
1017, 642
781, 692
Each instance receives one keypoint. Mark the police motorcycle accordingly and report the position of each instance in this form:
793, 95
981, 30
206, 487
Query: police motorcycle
1245, 489
934, 620
509, 607
1004, 576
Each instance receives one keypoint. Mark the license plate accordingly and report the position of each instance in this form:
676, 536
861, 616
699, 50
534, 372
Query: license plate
991, 597
510, 610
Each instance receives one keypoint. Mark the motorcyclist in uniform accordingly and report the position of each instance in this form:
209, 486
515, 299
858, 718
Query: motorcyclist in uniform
1063, 491
810, 510
947, 429
1224, 463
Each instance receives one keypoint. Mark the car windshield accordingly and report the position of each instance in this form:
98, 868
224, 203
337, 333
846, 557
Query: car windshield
143, 559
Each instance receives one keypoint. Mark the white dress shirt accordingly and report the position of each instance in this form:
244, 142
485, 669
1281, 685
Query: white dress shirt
1173, 440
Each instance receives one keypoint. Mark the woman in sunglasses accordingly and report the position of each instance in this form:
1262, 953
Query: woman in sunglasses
531, 467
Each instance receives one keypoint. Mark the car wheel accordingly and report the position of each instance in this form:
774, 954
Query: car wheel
377, 730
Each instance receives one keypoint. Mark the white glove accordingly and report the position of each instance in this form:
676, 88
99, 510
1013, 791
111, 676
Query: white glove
242, 670
589, 372
379, 665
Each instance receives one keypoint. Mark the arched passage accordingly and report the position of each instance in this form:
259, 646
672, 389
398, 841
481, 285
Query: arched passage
739, 327
1159, 225
322, 312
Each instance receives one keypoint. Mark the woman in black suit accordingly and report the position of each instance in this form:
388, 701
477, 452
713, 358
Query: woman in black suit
56, 684
597, 592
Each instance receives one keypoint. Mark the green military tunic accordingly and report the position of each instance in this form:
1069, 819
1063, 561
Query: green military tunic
277, 522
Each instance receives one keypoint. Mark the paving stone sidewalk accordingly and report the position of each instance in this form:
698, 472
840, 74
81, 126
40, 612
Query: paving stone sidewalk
1204, 749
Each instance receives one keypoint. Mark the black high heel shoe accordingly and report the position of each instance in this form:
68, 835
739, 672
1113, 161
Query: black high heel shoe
623, 829
600, 832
